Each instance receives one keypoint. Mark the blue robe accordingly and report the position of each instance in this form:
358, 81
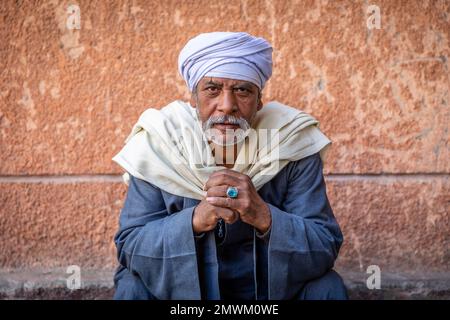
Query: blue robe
161, 258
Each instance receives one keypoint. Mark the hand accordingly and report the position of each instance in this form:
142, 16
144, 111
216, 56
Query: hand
251, 207
205, 216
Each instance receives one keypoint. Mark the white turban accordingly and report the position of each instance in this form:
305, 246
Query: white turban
232, 55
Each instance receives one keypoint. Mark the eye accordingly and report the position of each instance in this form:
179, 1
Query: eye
212, 89
242, 91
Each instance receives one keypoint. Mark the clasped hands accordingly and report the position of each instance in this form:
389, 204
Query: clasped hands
248, 206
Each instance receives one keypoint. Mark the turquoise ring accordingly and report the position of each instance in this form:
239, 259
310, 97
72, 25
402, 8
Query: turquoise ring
232, 192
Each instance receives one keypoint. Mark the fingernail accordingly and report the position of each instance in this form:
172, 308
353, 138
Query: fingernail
209, 199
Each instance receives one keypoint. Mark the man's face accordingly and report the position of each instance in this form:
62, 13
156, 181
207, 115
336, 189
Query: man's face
226, 105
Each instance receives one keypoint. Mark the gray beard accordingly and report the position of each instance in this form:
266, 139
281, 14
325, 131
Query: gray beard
231, 136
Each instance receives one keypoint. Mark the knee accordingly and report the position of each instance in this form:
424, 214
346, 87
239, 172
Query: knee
129, 286
330, 286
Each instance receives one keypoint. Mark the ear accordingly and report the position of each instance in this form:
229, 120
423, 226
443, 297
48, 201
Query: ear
193, 100
260, 104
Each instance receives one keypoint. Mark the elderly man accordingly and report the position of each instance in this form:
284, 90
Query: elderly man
214, 209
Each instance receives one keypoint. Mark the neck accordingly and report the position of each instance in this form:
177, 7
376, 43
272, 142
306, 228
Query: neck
224, 155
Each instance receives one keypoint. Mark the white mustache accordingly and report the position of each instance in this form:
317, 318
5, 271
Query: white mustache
237, 136
241, 122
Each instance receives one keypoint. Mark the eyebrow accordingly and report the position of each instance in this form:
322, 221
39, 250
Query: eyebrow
245, 85
211, 82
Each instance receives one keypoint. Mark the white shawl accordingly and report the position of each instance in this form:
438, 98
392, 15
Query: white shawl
167, 147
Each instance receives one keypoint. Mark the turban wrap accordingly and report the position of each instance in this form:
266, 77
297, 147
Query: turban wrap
232, 55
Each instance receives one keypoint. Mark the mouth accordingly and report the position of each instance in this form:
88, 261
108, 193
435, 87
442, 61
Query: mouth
228, 133
225, 126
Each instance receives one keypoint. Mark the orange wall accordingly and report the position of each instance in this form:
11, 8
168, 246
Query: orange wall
68, 99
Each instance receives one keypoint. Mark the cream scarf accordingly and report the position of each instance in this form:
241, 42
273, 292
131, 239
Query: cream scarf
168, 149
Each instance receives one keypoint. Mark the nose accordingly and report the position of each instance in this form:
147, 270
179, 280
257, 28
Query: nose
227, 103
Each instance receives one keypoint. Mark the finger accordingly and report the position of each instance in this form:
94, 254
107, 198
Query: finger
235, 217
227, 215
222, 179
221, 191
209, 214
230, 172
223, 202
217, 191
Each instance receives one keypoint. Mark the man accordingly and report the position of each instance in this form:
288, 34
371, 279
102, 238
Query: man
215, 210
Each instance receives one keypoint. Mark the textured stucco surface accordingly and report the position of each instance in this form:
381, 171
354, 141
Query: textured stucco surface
68, 99
58, 225
397, 225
